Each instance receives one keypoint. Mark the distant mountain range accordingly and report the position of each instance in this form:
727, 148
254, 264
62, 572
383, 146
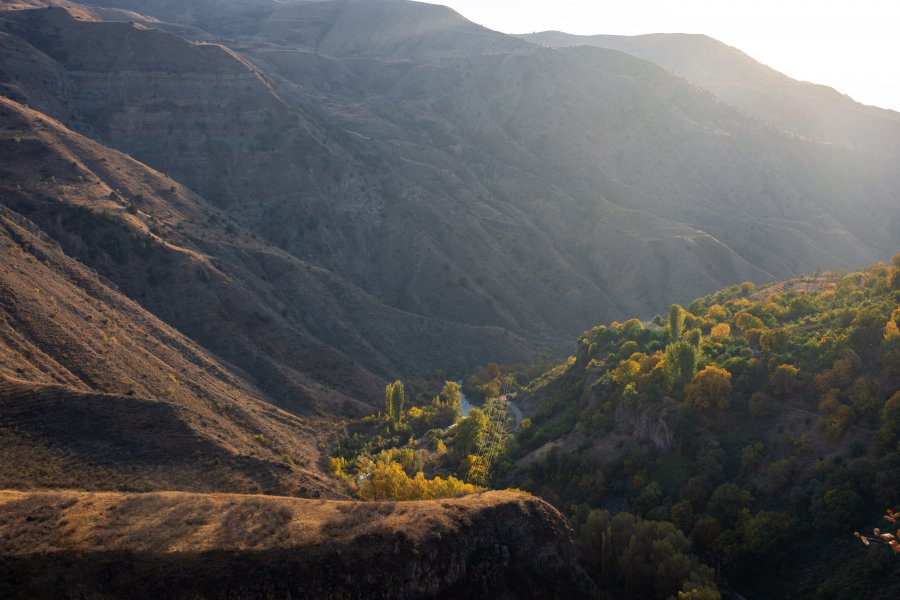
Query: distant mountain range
225, 224
329, 194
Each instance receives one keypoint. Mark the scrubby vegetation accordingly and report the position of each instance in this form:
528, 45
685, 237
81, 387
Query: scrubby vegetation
426, 448
734, 444
752, 431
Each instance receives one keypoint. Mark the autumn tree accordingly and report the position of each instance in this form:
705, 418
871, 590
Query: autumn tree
720, 331
627, 372
716, 313
710, 388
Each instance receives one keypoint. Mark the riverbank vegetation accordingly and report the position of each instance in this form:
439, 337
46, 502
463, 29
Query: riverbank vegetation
423, 446
736, 443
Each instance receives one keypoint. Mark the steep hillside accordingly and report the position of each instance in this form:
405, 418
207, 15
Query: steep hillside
496, 545
813, 111
762, 423
465, 180
283, 321
97, 393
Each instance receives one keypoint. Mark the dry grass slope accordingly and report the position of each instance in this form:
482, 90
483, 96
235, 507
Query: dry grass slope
497, 544
97, 393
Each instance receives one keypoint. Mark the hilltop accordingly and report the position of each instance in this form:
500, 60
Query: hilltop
496, 545
815, 112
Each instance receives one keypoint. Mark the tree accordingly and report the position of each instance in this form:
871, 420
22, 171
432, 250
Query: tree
745, 321
729, 503
758, 405
676, 322
627, 372
389, 400
785, 379
710, 388
720, 331
649, 559
888, 434
716, 313
386, 480
470, 432
451, 393
695, 338
394, 398
766, 531
450, 399
680, 363
683, 516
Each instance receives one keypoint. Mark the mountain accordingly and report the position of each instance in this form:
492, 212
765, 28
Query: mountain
96, 393
816, 112
455, 173
186, 262
226, 224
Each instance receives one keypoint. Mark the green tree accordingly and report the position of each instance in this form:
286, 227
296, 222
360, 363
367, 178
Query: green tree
683, 516
766, 531
389, 401
695, 338
680, 364
730, 503
469, 433
676, 322
394, 398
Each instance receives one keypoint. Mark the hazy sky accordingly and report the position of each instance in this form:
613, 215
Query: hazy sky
853, 46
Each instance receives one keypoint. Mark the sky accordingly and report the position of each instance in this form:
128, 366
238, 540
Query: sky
852, 46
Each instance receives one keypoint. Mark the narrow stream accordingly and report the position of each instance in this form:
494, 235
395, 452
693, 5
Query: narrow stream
466, 407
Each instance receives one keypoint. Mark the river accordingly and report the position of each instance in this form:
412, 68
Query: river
466, 407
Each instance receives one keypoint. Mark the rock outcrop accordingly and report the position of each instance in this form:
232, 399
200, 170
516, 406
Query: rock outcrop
648, 423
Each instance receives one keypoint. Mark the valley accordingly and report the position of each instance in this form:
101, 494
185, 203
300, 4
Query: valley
227, 225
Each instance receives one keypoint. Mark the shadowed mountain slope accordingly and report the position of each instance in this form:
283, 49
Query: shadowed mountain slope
490, 184
97, 393
283, 321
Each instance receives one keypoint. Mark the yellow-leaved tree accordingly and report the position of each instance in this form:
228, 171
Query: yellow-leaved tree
710, 388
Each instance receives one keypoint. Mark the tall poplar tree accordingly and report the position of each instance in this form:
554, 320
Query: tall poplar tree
676, 322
